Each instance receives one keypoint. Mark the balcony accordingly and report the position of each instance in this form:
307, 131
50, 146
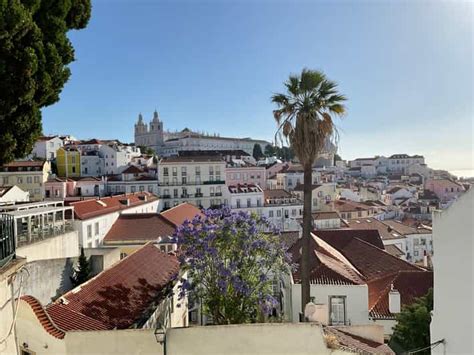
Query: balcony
191, 183
7, 239
165, 196
198, 194
31, 225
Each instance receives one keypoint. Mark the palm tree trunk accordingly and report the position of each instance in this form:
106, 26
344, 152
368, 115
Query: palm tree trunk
305, 285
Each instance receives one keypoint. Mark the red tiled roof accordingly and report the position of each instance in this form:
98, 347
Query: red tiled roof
325, 267
385, 231
43, 317
122, 296
68, 319
373, 262
410, 285
356, 343
24, 163
277, 193
132, 169
178, 214
339, 238
93, 208
139, 227
349, 206
300, 187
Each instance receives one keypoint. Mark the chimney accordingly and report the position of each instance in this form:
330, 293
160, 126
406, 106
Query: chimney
125, 201
394, 303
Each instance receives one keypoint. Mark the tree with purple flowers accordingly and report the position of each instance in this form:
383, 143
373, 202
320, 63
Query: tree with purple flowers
231, 263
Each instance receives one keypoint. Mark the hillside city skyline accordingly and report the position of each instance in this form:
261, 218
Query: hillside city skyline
210, 65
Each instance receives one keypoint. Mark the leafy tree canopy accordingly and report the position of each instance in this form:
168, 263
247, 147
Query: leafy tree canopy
413, 325
231, 263
34, 54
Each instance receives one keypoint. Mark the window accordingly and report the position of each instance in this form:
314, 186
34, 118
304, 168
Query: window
293, 213
270, 214
165, 171
259, 203
249, 202
19, 180
122, 255
5, 180
198, 171
315, 201
183, 171
89, 231
141, 188
36, 179
133, 189
337, 310
278, 213
212, 191
73, 169
175, 193
175, 171
150, 188
96, 228
238, 202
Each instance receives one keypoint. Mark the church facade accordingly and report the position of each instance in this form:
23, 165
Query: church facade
149, 135
169, 143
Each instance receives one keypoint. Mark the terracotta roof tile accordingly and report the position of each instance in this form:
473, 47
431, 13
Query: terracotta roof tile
385, 231
410, 284
43, 317
96, 207
178, 214
132, 169
139, 227
122, 296
356, 343
277, 193
339, 238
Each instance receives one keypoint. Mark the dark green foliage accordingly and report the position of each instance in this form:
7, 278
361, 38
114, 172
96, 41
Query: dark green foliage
146, 150
83, 271
257, 151
337, 157
34, 54
269, 150
413, 325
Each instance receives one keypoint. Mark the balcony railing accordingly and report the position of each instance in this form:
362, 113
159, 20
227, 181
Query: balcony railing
191, 183
38, 234
7, 239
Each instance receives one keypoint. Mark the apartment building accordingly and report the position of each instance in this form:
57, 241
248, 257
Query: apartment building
46, 147
199, 180
27, 175
68, 161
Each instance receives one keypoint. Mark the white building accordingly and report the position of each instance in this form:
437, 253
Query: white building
95, 217
454, 272
199, 180
46, 146
131, 180
289, 178
282, 209
321, 196
13, 194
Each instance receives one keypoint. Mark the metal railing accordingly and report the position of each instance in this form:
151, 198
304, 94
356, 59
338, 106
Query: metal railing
37, 234
191, 183
7, 239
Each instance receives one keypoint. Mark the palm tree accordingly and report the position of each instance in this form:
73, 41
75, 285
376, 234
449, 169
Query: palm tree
305, 119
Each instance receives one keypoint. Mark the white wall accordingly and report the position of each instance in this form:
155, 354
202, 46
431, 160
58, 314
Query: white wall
357, 300
62, 246
453, 233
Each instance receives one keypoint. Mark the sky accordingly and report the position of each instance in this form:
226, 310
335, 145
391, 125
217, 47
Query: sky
405, 66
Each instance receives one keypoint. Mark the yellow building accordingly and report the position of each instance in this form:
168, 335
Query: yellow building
28, 175
68, 161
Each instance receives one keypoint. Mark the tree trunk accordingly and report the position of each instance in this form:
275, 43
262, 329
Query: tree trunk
305, 285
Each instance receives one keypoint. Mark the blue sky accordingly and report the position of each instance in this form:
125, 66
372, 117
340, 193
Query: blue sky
406, 67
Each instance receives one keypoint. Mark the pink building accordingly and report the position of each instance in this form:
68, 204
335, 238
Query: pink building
246, 175
445, 189
73, 188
